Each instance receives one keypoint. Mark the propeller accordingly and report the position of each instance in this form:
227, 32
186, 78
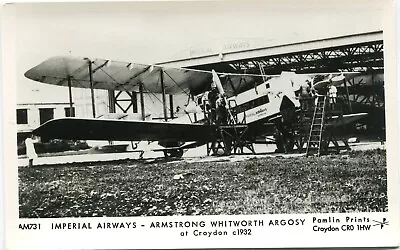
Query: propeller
217, 81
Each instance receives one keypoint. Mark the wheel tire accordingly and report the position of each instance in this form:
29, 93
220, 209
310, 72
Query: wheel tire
179, 153
173, 153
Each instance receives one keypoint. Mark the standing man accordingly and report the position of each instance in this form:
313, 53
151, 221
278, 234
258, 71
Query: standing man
222, 112
30, 150
304, 96
205, 106
212, 99
332, 94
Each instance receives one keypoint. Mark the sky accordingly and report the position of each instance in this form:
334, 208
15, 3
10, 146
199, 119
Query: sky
151, 32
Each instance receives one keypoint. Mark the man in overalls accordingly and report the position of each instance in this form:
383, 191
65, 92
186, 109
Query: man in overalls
212, 99
30, 150
332, 94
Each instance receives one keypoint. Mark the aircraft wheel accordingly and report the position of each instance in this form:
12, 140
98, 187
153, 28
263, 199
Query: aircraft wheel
179, 153
217, 152
173, 153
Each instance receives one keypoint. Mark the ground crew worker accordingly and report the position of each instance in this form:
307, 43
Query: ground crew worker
222, 112
205, 106
305, 95
332, 94
212, 99
311, 93
30, 150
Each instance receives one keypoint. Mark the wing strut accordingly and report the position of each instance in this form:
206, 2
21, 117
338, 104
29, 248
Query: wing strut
347, 94
91, 87
171, 106
142, 101
111, 101
71, 113
163, 95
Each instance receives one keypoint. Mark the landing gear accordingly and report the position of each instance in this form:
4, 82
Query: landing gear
284, 142
219, 148
176, 153
172, 149
284, 136
231, 139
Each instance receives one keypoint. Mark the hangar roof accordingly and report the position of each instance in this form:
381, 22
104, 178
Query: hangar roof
354, 52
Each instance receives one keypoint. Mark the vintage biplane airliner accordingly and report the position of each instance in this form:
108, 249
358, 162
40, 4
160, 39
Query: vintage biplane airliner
258, 105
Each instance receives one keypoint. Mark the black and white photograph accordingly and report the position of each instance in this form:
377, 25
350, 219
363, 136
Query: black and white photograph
206, 108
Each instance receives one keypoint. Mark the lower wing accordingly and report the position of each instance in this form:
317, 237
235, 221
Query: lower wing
122, 130
336, 121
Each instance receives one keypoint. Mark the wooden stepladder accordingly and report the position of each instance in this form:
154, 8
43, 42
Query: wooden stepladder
316, 129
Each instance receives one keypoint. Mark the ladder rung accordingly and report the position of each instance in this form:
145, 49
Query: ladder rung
316, 128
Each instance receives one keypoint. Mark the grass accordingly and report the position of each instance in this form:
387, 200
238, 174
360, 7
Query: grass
353, 183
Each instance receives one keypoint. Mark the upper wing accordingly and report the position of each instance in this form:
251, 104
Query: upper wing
122, 130
113, 75
124, 76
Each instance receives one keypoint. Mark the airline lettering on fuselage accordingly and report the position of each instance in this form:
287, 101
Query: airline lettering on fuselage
251, 104
257, 107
